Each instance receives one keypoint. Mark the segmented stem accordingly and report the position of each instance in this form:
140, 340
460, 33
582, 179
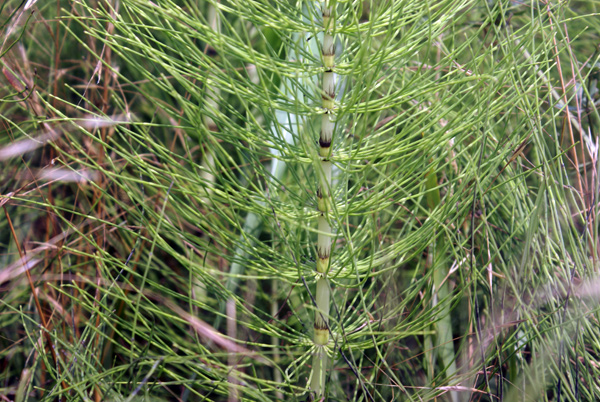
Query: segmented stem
324, 197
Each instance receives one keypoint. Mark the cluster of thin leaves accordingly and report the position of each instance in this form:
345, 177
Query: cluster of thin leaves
159, 165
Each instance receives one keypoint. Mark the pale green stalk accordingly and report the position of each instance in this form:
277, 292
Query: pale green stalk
287, 122
253, 221
324, 195
212, 94
444, 344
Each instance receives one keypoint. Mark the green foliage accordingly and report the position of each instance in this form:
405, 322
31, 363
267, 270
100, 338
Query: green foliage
466, 129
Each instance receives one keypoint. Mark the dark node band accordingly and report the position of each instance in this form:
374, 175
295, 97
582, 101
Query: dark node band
324, 143
210, 51
320, 326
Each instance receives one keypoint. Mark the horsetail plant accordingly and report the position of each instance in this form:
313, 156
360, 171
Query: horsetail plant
214, 133
324, 200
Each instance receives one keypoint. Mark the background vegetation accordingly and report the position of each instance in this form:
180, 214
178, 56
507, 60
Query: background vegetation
160, 186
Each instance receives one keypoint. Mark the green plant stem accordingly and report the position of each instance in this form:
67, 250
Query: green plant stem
324, 236
211, 96
444, 338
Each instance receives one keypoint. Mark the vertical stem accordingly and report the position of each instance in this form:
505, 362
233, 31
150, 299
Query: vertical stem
428, 350
211, 96
324, 236
208, 162
444, 337
232, 358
